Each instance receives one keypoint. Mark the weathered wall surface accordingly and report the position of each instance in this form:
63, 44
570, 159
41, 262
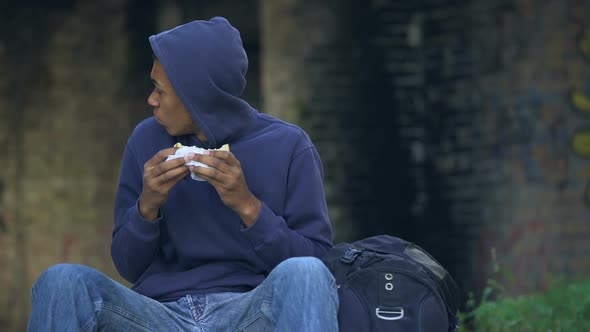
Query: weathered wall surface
297, 84
533, 84
64, 120
461, 126
74, 79
482, 108
493, 93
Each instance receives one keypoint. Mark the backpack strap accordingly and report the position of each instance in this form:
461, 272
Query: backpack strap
350, 255
348, 258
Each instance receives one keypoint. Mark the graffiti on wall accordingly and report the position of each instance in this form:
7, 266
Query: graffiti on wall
530, 146
533, 125
520, 255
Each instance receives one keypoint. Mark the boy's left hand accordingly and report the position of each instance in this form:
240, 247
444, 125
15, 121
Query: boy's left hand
226, 176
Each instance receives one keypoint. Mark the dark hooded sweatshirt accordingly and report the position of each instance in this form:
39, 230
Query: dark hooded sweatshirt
197, 244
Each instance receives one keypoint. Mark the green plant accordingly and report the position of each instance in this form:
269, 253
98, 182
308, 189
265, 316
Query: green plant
565, 306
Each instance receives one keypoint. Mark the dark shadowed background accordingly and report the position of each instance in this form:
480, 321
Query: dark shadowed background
463, 126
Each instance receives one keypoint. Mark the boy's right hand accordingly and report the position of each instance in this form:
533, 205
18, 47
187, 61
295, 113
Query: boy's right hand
159, 176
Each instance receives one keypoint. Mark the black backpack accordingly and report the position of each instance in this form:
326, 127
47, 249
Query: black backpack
388, 284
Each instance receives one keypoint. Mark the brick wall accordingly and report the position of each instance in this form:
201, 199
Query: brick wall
486, 92
430, 67
460, 126
536, 213
367, 129
486, 110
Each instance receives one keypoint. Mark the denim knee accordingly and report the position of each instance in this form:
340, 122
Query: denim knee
303, 266
302, 276
61, 278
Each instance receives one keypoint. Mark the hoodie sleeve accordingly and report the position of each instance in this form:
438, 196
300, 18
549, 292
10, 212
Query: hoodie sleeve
304, 229
135, 240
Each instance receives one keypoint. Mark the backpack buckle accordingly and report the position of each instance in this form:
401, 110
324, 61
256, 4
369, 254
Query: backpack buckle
392, 314
350, 255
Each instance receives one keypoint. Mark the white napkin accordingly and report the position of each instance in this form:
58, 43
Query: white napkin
183, 151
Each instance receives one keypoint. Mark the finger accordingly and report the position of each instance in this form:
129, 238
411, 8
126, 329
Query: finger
177, 179
209, 174
159, 157
225, 155
167, 166
174, 175
165, 188
213, 162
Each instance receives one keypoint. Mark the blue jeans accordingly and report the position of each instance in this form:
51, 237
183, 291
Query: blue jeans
298, 295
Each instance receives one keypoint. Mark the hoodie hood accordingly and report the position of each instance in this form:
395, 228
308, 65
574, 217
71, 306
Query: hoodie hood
206, 63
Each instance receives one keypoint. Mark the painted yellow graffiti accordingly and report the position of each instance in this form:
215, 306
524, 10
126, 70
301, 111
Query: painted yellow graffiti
580, 101
581, 143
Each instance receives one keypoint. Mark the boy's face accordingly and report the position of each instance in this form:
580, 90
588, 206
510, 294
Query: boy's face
169, 110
